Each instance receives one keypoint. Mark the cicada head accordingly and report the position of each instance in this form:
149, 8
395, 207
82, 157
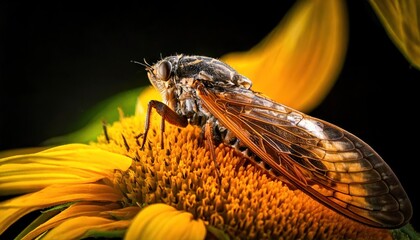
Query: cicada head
160, 73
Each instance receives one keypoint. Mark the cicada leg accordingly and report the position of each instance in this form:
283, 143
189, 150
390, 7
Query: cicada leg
210, 146
167, 114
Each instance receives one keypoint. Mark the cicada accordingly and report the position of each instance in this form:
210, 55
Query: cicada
328, 163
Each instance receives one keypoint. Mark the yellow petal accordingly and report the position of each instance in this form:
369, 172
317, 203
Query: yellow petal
20, 151
75, 210
299, 61
72, 163
158, 221
124, 213
59, 194
80, 227
8, 216
401, 19
25, 179
13, 209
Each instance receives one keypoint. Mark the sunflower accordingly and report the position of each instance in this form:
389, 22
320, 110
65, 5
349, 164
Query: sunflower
113, 188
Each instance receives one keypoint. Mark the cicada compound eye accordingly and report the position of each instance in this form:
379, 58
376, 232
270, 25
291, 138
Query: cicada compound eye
163, 71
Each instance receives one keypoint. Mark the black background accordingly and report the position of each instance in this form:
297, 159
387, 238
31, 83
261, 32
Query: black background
58, 59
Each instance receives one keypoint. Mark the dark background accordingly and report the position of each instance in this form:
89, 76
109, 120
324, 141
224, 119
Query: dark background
58, 59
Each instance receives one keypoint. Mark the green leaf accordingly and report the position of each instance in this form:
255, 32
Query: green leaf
405, 233
105, 111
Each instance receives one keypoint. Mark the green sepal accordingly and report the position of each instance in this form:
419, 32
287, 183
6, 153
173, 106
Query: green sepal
215, 233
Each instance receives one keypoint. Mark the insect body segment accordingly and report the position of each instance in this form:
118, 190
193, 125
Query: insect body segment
326, 162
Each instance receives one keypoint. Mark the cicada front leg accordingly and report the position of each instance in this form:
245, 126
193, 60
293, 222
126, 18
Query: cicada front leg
167, 114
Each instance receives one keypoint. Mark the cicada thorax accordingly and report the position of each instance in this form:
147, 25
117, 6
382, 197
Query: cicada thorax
180, 93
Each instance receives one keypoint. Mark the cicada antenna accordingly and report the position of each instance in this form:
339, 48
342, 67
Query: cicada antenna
145, 64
